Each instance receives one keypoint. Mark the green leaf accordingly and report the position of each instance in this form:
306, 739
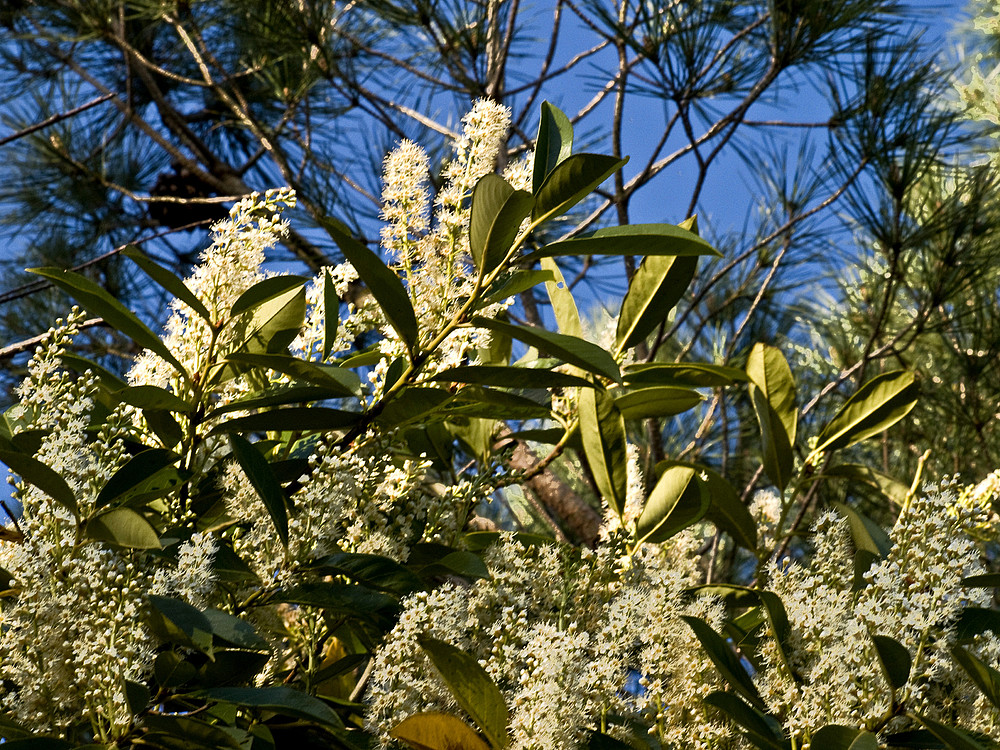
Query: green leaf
777, 619
569, 349
769, 371
602, 431
563, 305
986, 580
877, 405
553, 145
495, 217
953, 737
164, 426
176, 621
124, 527
776, 450
987, 679
295, 419
656, 401
381, 281
678, 500
430, 559
760, 729
152, 397
570, 182
512, 285
437, 731
42, 476
264, 291
280, 699
278, 395
835, 737
136, 696
262, 478
331, 314
975, 621
38, 743
511, 377
235, 631
658, 285
891, 488
373, 571
108, 379
169, 281
171, 670
487, 403
631, 239
177, 732
894, 660
336, 379
689, 375
473, 689
413, 405
726, 511
340, 598
137, 477
99, 302
276, 321
867, 534
601, 741
726, 661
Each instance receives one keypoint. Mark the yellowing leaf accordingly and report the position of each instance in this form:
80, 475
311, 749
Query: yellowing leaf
436, 731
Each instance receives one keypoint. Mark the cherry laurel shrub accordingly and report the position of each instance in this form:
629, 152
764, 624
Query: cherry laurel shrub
266, 535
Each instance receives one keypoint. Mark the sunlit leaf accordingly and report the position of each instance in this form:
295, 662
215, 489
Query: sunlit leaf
602, 432
553, 145
495, 218
678, 500
571, 181
169, 281
877, 405
437, 731
631, 239
124, 527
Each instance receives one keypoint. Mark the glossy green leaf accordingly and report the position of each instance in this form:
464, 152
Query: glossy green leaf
275, 322
472, 688
488, 403
761, 730
602, 432
176, 621
975, 621
563, 305
164, 426
437, 731
511, 285
136, 696
656, 401
235, 631
727, 512
98, 301
134, 477
278, 395
891, 488
265, 291
835, 737
171, 670
430, 560
570, 182
678, 500
725, 660
337, 379
776, 451
894, 660
657, 286
152, 397
511, 377
631, 239
986, 580
340, 598
180, 732
105, 377
169, 281
124, 527
768, 369
987, 679
689, 375
295, 419
373, 571
952, 737
262, 479
569, 349
495, 218
877, 405
41, 476
777, 620
867, 534
600, 741
413, 405
331, 314
553, 145
280, 699
381, 281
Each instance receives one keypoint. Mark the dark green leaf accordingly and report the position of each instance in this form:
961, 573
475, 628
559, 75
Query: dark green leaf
278, 395
777, 619
916, 739
975, 621
262, 478
570, 182
437, 731
476, 401
139, 476
953, 737
374, 571
894, 660
495, 217
658, 285
727, 512
275, 322
169, 281
234, 630
877, 405
473, 689
569, 349
43, 477
867, 534
346, 599
987, 580
656, 401
281, 699
124, 527
176, 621
726, 661
336, 379
413, 404
229, 666
430, 559
172, 732
553, 145
761, 730
690, 375
276, 287
631, 239
331, 314
384, 285
599, 741
511, 377
137, 696
38, 743
888, 486
152, 397
295, 419
834, 737
678, 500
986, 678
602, 432
172, 670
230, 567
512, 285
108, 379
776, 450
99, 302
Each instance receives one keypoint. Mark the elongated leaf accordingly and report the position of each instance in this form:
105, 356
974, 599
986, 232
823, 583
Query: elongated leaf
953, 737
563, 305
374, 571
170, 669
262, 478
975, 621
331, 314
602, 431
888, 486
761, 730
385, 286
691, 375
99, 302
776, 451
488, 403
496, 215
265, 291
986, 580
867, 534
987, 679
275, 322
570, 182
296, 419
878, 404
678, 500
835, 737
601, 741
631, 239
336, 379
234, 630
413, 405
553, 145
656, 401
134, 476
726, 511
281, 699
511, 377
512, 285
107, 379
725, 660
42, 476
569, 349
777, 619
152, 397
278, 395
339, 598
658, 285
124, 527
437, 731
169, 281
474, 690
768, 369
894, 660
